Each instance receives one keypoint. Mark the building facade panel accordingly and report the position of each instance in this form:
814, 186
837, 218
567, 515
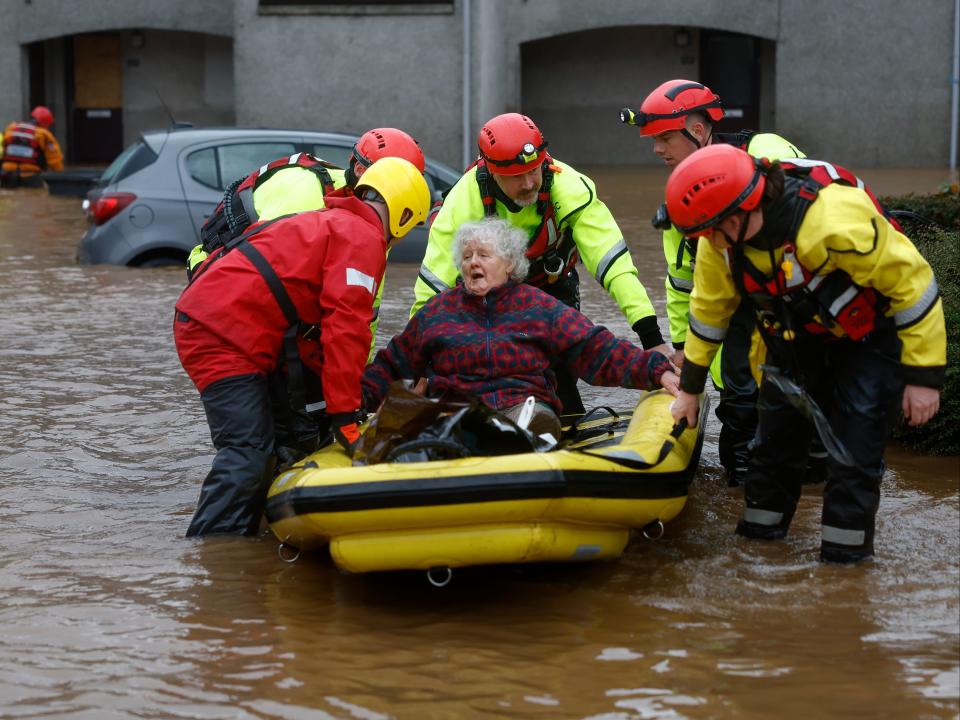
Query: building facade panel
867, 82
349, 73
864, 82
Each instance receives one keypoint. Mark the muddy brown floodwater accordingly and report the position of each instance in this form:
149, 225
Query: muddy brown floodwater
108, 612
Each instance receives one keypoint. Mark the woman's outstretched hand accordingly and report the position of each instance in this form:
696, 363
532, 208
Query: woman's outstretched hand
670, 382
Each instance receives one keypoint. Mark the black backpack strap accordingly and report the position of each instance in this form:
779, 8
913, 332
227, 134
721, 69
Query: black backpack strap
486, 191
291, 351
323, 176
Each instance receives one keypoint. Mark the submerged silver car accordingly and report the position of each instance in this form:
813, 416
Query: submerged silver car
149, 204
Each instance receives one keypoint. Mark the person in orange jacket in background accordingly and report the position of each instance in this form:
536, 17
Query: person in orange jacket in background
29, 148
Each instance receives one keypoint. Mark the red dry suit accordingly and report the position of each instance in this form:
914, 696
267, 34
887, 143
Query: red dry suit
330, 263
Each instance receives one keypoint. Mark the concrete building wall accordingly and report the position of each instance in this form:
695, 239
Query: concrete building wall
12, 79
41, 19
619, 66
867, 82
52, 20
193, 74
349, 73
863, 82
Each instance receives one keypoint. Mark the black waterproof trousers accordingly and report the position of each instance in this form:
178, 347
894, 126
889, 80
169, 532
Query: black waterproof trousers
232, 498
864, 383
737, 410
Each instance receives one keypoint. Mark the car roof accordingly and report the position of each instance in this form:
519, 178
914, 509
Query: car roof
182, 136
179, 137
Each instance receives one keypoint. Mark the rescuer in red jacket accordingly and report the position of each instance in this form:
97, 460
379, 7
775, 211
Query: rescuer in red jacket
297, 293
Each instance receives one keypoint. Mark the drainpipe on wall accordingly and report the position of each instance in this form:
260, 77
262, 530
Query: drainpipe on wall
468, 90
955, 82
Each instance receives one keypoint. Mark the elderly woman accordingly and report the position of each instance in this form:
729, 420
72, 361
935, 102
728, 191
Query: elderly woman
492, 337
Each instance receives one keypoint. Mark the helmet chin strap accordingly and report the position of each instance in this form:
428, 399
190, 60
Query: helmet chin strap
744, 222
692, 138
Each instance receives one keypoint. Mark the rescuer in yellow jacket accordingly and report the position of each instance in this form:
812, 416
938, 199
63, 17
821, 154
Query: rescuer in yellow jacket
679, 116
849, 310
29, 148
558, 208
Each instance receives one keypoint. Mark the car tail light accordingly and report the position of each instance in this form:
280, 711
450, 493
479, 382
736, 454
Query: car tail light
108, 205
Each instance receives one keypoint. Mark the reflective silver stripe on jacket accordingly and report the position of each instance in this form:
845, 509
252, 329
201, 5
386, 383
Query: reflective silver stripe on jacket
831, 170
707, 332
920, 308
681, 284
762, 517
843, 300
815, 282
432, 280
609, 258
840, 536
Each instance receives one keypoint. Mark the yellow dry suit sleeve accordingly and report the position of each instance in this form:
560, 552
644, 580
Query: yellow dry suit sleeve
844, 230
437, 272
602, 249
713, 301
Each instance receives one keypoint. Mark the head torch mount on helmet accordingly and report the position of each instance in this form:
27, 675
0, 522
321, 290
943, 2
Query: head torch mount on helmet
511, 144
668, 107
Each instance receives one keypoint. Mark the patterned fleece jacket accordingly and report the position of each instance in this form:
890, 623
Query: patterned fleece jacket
498, 348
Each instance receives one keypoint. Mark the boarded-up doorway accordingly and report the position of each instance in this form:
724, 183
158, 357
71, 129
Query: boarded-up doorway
97, 98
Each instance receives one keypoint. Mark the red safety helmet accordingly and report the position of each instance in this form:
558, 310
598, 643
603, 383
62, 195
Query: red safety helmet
667, 107
712, 184
511, 144
42, 116
386, 142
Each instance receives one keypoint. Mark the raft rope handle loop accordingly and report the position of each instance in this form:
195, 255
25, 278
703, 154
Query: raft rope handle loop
288, 557
575, 425
653, 530
678, 428
439, 576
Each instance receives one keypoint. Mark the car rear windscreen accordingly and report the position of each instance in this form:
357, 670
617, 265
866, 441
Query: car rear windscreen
134, 158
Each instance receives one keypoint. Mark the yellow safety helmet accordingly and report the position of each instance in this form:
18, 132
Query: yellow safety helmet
399, 184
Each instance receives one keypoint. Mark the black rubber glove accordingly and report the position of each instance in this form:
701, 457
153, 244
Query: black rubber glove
346, 429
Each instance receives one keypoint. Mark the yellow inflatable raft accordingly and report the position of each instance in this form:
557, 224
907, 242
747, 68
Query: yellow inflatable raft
618, 473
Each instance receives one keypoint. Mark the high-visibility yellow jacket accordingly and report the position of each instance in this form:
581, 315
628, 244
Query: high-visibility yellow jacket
842, 230
680, 262
578, 210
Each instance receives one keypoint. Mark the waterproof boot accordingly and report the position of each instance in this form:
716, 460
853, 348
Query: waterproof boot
843, 554
757, 528
739, 425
